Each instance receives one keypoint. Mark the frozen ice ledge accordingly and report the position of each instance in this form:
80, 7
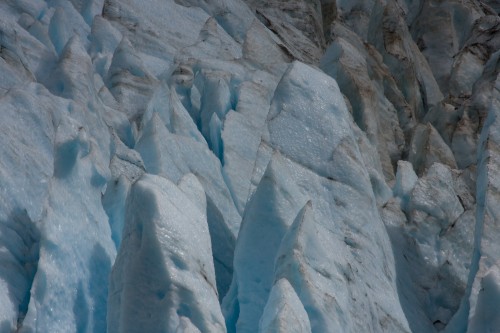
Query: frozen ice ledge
249, 166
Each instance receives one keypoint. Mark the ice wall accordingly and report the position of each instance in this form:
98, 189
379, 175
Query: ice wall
249, 166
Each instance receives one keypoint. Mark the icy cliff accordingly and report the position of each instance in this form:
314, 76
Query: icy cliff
249, 166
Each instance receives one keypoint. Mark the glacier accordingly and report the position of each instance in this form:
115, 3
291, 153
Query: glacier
249, 166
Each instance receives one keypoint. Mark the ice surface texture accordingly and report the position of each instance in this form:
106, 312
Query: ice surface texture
249, 166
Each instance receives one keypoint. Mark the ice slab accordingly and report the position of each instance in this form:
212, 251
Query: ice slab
164, 269
323, 162
267, 217
284, 312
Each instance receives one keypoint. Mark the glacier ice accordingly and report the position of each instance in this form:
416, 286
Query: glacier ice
284, 312
275, 199
164, 270
249, 166
336, 184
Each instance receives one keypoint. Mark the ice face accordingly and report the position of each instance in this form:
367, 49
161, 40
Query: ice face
485, 315
324, 289
346, 60
65, 241
249, 166
152, 284
484, 265
284, 312
267, 217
